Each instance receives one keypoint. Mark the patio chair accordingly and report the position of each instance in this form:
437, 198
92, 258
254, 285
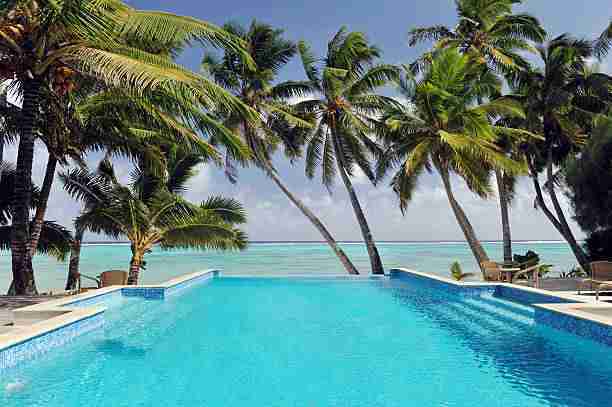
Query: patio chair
492, 271
108, 278
601, 277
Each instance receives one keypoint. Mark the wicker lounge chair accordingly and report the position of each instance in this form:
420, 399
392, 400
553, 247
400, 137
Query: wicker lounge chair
108, 278
492, 271
601, 277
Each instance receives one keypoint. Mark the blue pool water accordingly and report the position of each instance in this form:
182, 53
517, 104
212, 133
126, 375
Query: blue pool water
292, 342
285, 258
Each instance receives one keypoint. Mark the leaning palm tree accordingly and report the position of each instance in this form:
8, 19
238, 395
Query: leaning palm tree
346, 82
279, 126
561, 100
488, 31
151, 212
43, 43
442, 128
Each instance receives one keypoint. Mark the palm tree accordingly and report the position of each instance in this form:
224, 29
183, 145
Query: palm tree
346, 81
603, 44
150, 211
279, 126
44, 43
488, 31
442, 128
493, 37
561, 99
54, 238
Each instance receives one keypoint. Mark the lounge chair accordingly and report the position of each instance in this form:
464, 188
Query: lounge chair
113, 277
601, 277
534, 271
492, 271
108, 278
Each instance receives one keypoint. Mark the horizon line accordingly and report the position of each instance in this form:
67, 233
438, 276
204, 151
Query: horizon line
353, 241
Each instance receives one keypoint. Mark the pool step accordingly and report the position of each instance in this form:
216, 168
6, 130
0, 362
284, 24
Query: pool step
492, 319
506, 313
515, 307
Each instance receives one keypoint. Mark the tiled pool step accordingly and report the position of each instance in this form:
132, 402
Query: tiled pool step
514, 307
491, 318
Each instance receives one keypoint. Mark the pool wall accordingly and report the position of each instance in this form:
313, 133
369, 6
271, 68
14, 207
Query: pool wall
579, 315
78, 315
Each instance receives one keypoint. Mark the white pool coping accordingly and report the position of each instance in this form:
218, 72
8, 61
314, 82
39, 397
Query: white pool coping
15, 335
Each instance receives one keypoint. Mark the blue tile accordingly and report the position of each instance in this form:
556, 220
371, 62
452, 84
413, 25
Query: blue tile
578, 326
38, 345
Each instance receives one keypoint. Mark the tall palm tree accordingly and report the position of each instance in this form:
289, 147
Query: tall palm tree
279, 126
493, 37
43, 43
150, 211
561, 99
488, 31
346, 81
442, 128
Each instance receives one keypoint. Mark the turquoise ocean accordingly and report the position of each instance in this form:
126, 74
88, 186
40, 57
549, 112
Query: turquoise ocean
279, 258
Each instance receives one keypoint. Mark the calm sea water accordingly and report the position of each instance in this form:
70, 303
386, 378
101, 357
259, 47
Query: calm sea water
280, 258
290, 342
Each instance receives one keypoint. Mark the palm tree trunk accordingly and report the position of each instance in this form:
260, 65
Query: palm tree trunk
375, 262
41, 209
23, 272
505, 218
567, 231
540, 198
135, 264
75, 258
346, 262
468, 231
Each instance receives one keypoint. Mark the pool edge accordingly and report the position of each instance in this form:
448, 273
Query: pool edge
566, 312
79, 314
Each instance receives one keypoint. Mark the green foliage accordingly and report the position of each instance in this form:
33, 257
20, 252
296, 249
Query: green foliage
457, 273
443, 127
348, 80
527, 260
488, 32
589, 187
151, 211
598, 245
278, 124
589, 180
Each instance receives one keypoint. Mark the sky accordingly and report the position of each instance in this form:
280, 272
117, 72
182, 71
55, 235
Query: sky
386, 22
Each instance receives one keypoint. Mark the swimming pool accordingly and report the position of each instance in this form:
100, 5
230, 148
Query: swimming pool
316, 342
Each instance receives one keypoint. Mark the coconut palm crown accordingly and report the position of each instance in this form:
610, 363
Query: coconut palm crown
488, 31
150, 211
44, 44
